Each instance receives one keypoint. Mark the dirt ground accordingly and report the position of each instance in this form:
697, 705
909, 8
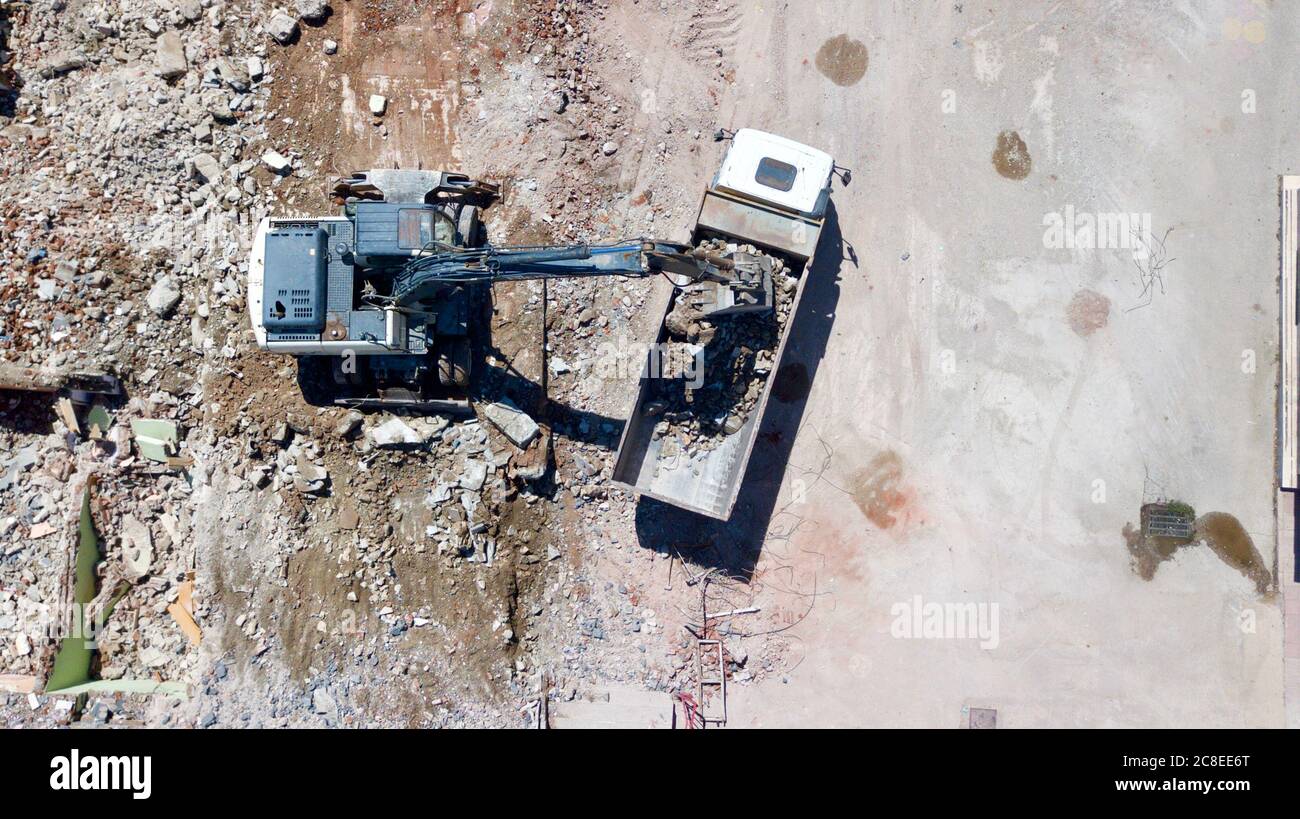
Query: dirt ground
969, 415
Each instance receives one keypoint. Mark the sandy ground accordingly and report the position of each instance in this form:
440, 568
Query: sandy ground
996, 410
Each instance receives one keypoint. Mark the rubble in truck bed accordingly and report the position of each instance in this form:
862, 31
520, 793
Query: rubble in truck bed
714, 370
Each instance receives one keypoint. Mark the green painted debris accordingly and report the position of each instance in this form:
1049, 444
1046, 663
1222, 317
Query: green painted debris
170, 688
72, 663
99, 420
157, 440
71, 674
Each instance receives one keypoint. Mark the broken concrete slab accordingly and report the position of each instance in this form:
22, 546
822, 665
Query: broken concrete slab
153, 657
348, 518
513, 422
349, 424
233, 74
310, 478
41, 530
533, 463
18, 683
19, 463
206, 167
171, 56
53, 379
163, 296
276, 161
282, 27
62, 63
322, 703
137, 547
394, 433
474, 476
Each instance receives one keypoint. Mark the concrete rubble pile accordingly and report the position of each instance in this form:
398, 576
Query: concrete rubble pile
130, 140
339, 567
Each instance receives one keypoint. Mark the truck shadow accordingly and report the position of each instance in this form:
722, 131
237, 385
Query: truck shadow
735, 545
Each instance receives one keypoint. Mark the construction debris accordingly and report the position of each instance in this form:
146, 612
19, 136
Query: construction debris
357, 552
68, 415
182, 611
513, 422
137, 547
156, 440
722, 365
54, 379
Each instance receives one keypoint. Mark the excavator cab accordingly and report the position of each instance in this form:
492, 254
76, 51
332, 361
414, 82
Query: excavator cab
319, 289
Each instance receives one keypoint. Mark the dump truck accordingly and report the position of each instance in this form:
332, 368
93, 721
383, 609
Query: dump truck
772, 193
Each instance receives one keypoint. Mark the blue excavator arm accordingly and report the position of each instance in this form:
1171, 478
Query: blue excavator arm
425, 275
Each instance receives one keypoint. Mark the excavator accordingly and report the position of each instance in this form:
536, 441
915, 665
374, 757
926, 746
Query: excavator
381, 294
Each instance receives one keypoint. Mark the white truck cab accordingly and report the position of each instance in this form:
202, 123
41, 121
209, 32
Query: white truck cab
776, 170
770, 191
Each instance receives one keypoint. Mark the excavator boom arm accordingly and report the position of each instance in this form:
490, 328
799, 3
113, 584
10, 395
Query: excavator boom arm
425, 274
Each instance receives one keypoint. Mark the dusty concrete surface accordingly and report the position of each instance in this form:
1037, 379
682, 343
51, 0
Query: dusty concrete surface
972, 410
983, 448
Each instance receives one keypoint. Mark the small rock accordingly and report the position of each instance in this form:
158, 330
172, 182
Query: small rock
191, 10
163, 296
313, 11
330, 47
609, 148
378, 104
513, 422
394, 432
276, 161
282, 27
171, 56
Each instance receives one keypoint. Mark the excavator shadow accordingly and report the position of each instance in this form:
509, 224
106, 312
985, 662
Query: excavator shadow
735, 545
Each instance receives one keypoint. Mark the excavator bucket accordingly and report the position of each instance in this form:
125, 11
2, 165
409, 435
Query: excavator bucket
720, 284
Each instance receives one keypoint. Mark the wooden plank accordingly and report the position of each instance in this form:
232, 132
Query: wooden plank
1288, 412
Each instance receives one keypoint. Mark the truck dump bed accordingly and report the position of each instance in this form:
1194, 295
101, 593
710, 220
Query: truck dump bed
709, 483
